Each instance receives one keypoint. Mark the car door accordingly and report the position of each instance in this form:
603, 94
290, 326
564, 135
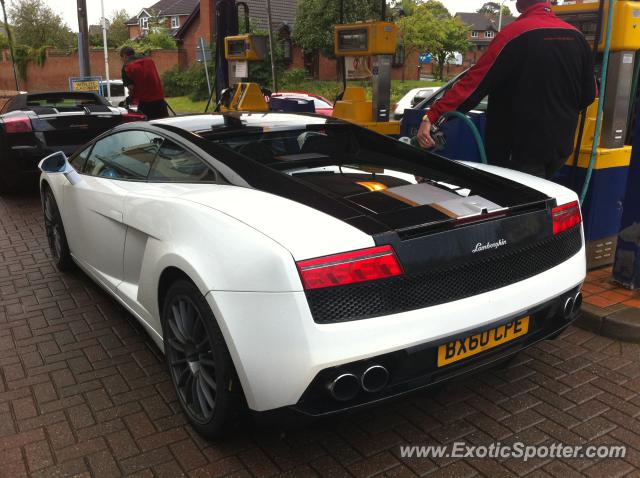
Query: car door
176, 170
95, 227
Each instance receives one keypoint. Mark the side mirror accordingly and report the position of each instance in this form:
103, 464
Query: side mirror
58, 163
54, 163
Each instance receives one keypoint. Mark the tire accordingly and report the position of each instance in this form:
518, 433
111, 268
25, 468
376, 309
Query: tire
199, 362
55, 232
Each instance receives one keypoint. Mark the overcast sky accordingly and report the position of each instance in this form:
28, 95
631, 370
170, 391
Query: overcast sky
67, 8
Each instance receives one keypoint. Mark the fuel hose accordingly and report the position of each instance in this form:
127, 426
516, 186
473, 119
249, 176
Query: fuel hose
474, 132
603, 82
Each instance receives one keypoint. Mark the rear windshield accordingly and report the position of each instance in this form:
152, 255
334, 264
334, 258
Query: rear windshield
327, 149
63, 101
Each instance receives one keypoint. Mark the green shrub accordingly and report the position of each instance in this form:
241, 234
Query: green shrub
152, 41
190, 82
293, 77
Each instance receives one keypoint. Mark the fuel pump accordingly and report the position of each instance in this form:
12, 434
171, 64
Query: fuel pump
602, 208
233, 54
239, 50
377, 41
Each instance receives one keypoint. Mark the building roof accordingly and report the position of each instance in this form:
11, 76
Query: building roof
167, 8
283, 13
481, 21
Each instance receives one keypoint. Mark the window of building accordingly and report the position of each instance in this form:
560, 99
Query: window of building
125, 155
474, 34
175, 22
489, 34
174, 164
144, 23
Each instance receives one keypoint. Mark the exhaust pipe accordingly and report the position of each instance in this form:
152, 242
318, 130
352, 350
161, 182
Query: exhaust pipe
577, 303
344, 387
567, 310
374, 378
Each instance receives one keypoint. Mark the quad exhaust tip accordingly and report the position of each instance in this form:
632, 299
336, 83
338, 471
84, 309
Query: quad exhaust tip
374, 379
344, 387
567, 310
577, 303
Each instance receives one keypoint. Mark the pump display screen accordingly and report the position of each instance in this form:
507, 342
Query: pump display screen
353, 40
586, 22
236, 47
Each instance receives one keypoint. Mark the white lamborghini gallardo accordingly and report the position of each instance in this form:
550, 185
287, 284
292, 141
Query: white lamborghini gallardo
297, 261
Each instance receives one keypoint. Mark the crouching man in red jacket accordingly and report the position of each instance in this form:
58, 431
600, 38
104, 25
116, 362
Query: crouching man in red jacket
140, 76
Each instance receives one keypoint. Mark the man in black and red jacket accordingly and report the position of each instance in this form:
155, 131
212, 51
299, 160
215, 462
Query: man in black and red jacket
538, 73
140, 76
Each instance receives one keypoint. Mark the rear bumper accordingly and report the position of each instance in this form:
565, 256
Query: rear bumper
279, 351
416, 367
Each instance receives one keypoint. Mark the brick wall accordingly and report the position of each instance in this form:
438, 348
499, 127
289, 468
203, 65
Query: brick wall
191, 40
58, 67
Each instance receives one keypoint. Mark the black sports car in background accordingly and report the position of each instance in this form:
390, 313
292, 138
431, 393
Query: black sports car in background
33, 126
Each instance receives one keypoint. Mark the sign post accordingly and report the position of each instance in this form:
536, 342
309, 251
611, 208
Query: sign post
86, 83
204, 56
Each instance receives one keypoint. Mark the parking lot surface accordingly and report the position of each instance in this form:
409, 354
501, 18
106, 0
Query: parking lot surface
83, 391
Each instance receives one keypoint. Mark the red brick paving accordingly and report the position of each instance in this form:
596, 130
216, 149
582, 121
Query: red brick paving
83, 391
601, 291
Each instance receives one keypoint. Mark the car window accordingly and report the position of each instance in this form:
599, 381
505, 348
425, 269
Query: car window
125, 155
321, 104
116, 89
175, 164
80, 159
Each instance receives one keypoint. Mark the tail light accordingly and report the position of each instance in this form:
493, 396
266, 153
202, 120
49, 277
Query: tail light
349, 267
17, 124
130, 116
565, 217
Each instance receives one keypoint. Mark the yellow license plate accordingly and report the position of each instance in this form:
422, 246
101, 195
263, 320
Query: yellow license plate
469, 346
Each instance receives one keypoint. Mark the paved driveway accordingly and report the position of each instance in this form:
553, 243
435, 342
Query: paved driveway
84, 391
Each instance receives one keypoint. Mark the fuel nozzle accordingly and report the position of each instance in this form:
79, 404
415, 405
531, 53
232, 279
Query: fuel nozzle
438, 135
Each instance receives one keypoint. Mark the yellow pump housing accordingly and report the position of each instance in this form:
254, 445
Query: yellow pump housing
245, 47
246, 97
355, 107
625, 34
365, 39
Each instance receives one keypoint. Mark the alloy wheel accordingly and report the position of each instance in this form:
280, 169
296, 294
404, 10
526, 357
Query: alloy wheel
191, 359
53, 226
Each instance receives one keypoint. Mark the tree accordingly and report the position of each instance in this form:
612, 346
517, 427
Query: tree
429, 30
316, 19
36, 25
493, 10
436, 8
118, 31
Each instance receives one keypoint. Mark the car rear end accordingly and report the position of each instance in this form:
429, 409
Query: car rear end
49, 122
454, 269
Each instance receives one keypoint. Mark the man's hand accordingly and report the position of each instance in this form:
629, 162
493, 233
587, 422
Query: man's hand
424, 134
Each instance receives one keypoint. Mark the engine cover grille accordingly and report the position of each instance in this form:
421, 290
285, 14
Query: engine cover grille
442, 284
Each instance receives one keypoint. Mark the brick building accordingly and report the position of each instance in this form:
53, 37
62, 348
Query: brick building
482, 30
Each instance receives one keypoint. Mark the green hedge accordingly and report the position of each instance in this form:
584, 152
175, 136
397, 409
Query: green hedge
190, 82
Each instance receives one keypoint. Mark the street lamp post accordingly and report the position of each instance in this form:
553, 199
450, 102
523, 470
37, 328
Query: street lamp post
106, 51
13, 60
500, 15
83, 39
